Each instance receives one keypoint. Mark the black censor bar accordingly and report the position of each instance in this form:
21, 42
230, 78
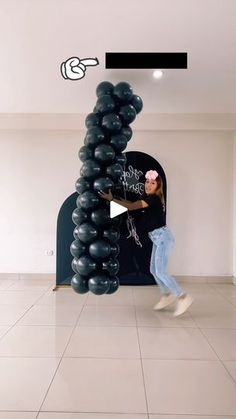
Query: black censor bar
145, 60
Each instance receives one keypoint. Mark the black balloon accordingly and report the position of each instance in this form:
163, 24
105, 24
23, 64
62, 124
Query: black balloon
105, 104
115, 250
100, 250
88, 200
94, 136
85, 265
90, 169
101, 217
119, 142
127, 131
112, 234
111, 266
115, 170
74, 265
86, 232
127, 113
79, 284
104, 153
82, 185
114, 285
85, 153
99, 284
104, 88
121, 159
92, 120
75, 232
137, 103
111, 123
123, 92
103, 184
78, 248
79, 216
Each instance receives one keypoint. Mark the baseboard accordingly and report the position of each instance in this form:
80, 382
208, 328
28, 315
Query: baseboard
9, 276
38, 276
206, 279
181, 278
15, 276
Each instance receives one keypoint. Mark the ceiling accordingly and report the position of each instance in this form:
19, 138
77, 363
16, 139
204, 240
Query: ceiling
38, 35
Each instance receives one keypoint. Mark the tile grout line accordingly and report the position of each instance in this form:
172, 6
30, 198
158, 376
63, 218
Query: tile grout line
76, 324
221, 361
50, 384
141, 360
4, 334
222, 295
106, 414
120, 413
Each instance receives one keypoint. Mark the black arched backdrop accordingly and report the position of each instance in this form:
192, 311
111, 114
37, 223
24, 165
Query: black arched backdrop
65, 227
133, 259
135, 245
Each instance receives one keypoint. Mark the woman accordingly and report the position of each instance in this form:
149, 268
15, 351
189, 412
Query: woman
153, 205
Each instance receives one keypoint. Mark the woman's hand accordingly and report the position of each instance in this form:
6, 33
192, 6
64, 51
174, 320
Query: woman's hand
108, 196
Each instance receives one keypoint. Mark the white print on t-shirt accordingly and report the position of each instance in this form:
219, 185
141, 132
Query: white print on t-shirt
130, 180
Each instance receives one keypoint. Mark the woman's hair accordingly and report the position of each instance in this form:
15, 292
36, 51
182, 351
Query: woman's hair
159, 189
153, 175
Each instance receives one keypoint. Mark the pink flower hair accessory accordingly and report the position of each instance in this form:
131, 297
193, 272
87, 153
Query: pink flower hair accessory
151, 175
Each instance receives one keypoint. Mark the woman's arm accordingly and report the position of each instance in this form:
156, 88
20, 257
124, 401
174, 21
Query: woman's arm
131, 206
124, 200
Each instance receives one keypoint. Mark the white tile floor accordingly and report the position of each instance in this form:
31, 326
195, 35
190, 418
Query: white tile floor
70, 356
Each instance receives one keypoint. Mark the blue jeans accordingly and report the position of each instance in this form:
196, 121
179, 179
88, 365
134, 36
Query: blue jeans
162, 243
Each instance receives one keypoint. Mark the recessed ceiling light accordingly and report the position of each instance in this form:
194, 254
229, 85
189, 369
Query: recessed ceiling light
157, 74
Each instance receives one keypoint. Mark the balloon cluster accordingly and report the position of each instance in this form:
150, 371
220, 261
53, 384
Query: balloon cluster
95, 247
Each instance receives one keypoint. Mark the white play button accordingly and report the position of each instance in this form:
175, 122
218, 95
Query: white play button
116, 209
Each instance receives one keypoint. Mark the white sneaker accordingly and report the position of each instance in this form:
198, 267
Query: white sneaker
183, 305
165, 301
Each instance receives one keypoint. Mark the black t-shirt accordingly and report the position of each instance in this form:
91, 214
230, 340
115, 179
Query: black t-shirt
153, 216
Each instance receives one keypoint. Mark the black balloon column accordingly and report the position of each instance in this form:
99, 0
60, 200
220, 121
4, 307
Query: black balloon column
95, 247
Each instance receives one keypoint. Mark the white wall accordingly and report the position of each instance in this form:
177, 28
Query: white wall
38, 170
234, 209
199, 170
